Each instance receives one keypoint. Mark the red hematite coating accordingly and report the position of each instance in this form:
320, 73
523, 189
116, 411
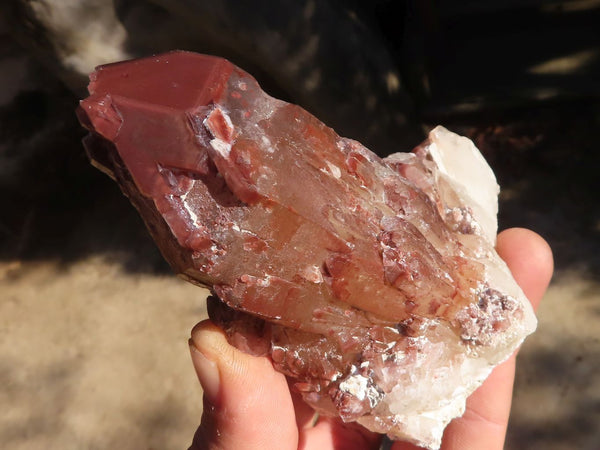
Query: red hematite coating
161, 114
315, 246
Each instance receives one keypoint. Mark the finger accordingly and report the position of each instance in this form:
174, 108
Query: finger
306, 417
484, 422
247, 403
332, 433
530, 260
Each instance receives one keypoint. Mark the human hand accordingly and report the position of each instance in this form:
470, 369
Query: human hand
248, 405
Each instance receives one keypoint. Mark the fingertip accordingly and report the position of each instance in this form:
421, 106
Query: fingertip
529, 258
522, 240
205, 325
236, 368
247, 403
210, 340
206, 365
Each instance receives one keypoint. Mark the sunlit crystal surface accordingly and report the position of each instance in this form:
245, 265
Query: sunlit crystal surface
373, 283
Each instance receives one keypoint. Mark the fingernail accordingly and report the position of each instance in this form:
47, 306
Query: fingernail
208, 373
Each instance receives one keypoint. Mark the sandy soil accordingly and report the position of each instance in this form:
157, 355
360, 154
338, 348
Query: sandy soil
556, 404
94, 358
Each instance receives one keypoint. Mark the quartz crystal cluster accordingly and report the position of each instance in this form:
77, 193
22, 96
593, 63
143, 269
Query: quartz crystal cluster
372, 283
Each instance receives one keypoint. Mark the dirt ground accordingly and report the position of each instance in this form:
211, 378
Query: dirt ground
94, 358
94, 327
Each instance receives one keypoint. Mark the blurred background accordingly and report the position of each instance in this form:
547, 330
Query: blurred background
94, 326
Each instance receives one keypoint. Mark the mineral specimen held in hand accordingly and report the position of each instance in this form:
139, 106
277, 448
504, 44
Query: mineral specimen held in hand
372, 283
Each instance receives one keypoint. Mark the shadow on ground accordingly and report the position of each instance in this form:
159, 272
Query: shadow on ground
565, 382
58, 206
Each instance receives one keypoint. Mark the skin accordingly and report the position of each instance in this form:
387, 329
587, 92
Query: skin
247, 404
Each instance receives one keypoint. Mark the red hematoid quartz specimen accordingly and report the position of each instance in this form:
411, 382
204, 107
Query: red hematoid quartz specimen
372, 283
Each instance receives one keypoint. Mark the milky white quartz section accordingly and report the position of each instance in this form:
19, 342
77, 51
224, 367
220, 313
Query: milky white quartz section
462, 165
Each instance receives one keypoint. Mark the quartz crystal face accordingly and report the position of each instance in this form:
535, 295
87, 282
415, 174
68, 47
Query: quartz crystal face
372, 283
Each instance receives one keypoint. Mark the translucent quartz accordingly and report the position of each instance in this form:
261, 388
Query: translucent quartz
372, 283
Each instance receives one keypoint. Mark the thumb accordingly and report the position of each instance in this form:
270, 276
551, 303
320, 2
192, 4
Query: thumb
247, 404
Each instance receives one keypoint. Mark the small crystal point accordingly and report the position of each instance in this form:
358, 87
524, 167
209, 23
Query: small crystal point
372, 283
